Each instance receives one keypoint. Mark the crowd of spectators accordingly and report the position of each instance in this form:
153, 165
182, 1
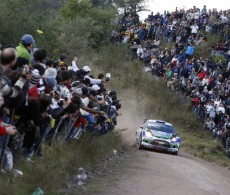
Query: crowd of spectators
42, 100
166, 43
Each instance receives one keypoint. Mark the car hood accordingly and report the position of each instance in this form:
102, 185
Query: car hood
160, 134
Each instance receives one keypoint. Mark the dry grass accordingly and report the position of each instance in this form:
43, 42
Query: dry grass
58, 165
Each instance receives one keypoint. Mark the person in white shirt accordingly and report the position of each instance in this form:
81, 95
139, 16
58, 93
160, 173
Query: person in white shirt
212, 114
207, 28
208, 107
221, 108
197, 14
140, 52
217, 102
205, 81
189, 16
209, 124
194, 28
74, 64
224, 19
228, 68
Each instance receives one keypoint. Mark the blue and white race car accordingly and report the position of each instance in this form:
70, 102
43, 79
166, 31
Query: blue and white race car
159, 135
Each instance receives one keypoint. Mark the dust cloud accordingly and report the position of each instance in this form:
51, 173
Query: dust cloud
131, 118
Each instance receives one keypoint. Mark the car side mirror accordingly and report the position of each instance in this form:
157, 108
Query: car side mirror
141, 127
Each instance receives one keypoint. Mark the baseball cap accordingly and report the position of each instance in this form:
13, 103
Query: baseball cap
95, 87
27, 39
51, 73
86, 69
78, 91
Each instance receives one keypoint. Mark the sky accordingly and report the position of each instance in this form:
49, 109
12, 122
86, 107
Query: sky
170, 5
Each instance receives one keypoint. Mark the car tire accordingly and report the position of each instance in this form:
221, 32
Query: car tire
140, 147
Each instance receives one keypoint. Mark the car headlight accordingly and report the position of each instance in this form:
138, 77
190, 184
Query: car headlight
148, 134
174, 139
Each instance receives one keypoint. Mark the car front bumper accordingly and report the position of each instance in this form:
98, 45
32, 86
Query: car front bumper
174, 147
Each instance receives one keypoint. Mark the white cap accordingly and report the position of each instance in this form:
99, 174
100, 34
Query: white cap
86, 69
78, 91
95, 87
50, 73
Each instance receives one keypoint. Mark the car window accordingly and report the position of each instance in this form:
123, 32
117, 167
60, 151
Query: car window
161, 127
143, 125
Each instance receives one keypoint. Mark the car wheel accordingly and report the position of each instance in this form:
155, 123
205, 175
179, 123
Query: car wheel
140, 147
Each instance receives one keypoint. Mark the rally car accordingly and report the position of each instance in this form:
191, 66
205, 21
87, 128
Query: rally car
159, 135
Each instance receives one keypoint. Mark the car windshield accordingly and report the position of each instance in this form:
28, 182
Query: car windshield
157, 126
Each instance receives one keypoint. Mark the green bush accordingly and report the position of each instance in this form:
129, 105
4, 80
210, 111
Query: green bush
218, 58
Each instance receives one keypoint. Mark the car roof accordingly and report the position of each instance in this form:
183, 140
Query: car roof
158, 121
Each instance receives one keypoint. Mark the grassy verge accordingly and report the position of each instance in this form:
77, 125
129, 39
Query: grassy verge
58, 165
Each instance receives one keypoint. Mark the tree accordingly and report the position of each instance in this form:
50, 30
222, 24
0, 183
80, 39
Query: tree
25, 17
97, 20
103, 3
132, 6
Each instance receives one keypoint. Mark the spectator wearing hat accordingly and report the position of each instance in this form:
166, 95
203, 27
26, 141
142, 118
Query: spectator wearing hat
85, 70
95, 88
25, 46
82, 96
48, 83
80, 74
33, 82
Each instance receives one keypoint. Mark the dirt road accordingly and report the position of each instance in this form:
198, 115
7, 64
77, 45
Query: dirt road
150, 173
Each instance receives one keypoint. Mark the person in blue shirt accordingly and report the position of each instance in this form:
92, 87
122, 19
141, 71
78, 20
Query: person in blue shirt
189, 51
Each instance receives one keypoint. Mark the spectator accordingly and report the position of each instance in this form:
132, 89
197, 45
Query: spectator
8, 59
24, 48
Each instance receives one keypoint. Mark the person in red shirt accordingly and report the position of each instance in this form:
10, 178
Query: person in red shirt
201, 75
5, 128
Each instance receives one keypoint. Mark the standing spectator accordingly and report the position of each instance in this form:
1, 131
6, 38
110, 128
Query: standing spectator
74, 64
194, 29
8, 59
140, 52
204, 10
39, 56
189, 51
24, 48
